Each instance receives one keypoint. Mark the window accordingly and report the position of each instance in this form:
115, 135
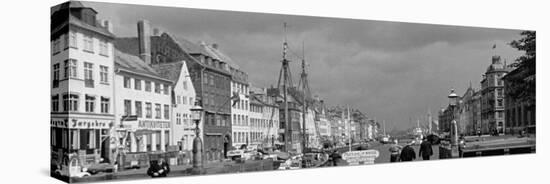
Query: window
157, 87
88, 43
191, 102
104, 74
157, 111
56, 46
178, 119
66, 41
127, 107
127, 82
92, 139
55, 83
178, 99
500, 103
104, 105
148, 86
166, 89
103, 48
90, 103
72, 39
185, 85
499, 92
138, 109
137, 84
205, 79
70, 66
55, 103
88, 74
70, 102
184, 100
166, 112
148, 110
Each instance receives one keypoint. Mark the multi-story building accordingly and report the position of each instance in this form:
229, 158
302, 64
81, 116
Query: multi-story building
143, 105
240, 108
257, 123
520, 112
210, 77
270, 117
212, 81
470, 115
81, 86
492, 97
183, 99
264, 118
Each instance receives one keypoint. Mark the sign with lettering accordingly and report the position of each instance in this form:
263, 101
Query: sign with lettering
89, 123
59, 122
149, 124
360, 157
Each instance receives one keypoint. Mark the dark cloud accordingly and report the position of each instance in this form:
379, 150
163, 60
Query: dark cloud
392, 71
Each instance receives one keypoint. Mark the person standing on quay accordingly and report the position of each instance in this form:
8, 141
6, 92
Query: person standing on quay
407, 153
425, 149
158, 169
394, 151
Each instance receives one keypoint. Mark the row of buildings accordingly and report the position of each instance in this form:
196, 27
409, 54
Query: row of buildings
488, 110
118, 96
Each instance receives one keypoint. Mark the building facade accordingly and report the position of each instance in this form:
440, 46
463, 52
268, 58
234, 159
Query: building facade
520, 112
143, 106
212, 82
82, 64
470, 112
492, 97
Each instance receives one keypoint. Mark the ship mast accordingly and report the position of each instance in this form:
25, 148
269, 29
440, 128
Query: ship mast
303, 83
287, 82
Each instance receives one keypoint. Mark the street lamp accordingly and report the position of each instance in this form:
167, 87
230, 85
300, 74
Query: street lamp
453, 102
196, 116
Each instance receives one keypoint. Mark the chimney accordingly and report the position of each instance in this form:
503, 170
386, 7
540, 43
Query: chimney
215, 45
496, 59
108, 25
144, 33
156, 32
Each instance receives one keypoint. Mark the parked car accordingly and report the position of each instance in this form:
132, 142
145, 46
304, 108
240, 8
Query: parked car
99, 168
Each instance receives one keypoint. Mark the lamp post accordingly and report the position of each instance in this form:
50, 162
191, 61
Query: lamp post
453, 102
196, 115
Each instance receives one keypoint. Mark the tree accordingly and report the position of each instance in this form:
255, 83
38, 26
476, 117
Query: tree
522, 81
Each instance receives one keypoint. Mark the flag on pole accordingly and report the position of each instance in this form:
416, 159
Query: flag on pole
236, 98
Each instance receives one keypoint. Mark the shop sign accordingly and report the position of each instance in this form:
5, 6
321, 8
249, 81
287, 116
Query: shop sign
148, 124
58, 122
89, 124
360, 157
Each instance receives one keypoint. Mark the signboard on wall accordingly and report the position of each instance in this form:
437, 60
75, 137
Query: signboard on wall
360, 157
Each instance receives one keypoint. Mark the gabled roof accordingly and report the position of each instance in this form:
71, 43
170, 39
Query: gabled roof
135, 65
219, 55
190, 47
98, 29
170, 71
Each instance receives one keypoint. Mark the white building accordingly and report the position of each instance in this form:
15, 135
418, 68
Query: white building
264, 118
183, 127
143, 103
81, 86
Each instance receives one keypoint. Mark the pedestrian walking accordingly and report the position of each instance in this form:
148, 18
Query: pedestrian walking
158, 169
395, 150
335, 158
425, 149
407, 153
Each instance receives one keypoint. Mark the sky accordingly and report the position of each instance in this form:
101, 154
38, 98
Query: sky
391, 71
